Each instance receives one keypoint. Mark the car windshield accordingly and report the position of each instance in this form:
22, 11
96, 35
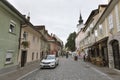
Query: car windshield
50, 57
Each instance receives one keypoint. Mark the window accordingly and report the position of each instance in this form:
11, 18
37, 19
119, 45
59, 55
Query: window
33, 56
9, 57
12, 27
100, 29
33, 38
117, 18
96, 34
36, 55
110, 21
25, 35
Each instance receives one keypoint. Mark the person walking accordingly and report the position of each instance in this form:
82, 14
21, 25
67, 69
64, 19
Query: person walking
84, 57
67, 54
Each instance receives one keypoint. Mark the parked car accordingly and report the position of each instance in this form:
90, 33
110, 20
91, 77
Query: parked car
51, 61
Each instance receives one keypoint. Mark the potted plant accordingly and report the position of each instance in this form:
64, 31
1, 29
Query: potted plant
25, 44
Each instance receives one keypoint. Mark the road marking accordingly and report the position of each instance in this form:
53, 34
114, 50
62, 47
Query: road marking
102, 73
27, 74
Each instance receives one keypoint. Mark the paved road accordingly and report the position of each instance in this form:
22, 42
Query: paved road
69, 69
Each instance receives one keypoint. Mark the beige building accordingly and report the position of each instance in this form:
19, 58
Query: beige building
45, 47
105, 49
90, 35
108, 28
30, 45
112, 15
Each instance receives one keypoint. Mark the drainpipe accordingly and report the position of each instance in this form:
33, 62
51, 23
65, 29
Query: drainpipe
19, 43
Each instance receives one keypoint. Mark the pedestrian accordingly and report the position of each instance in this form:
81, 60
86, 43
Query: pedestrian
84, 57
75, 57
67, 54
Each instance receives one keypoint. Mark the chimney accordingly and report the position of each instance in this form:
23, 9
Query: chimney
24, 16
28, 18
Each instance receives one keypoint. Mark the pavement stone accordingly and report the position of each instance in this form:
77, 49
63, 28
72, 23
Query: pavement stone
19, 72
64, 71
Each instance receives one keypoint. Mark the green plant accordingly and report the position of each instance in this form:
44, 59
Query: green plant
25, 44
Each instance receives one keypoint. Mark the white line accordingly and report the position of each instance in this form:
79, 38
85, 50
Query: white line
27, 74
101, 73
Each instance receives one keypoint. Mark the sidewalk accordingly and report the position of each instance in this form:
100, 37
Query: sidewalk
113, 73
20, 72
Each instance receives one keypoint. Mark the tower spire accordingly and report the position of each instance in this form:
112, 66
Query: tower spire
80, 19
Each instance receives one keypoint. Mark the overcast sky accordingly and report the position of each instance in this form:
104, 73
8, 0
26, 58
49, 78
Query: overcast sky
59, 16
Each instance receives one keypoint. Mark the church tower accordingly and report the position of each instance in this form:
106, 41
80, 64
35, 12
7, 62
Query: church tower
80, 23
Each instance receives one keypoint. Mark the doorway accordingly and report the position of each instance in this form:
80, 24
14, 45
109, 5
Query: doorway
105, 55
116, 54
23, 58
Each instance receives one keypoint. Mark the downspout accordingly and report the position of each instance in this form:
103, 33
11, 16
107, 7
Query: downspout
19, 45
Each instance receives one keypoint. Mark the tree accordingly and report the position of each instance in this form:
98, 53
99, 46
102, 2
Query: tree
70, 45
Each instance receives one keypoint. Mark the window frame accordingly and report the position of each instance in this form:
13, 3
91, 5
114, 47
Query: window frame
117, 17
9, 57
25, 35
96, 33
33, 54
110, 21
101, 29
12, 27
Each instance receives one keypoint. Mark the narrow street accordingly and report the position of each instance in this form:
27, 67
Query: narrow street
68, 69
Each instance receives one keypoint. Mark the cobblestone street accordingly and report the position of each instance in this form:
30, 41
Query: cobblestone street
69, 69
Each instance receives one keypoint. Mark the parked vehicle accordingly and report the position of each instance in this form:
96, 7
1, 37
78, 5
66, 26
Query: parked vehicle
51, 61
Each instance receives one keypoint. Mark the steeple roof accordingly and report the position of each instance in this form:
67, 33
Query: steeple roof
80, 19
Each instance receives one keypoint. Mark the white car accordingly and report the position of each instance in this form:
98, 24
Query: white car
51, 61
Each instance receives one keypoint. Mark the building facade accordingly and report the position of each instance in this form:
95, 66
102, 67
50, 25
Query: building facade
10, 26
45, 47
30, 45
105, 48
80, 33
